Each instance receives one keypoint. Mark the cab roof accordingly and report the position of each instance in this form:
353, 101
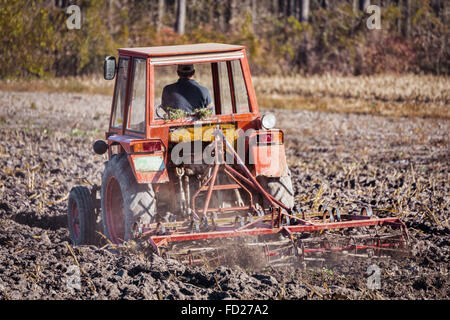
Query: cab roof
185, 49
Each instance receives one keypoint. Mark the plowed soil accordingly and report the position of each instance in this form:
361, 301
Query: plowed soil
400, 166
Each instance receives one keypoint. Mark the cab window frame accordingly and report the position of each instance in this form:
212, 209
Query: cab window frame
153, 121
112, 126
130, 96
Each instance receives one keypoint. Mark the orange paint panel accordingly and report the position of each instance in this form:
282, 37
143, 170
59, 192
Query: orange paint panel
152, 177
269, 160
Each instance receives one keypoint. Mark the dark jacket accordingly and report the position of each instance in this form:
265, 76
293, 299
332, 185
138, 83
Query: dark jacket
185, 94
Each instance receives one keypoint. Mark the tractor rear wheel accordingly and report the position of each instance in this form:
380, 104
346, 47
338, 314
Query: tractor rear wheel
125, 203
81, 217
280, 188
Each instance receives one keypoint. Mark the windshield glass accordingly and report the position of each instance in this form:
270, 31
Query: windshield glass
120, 94
202, 90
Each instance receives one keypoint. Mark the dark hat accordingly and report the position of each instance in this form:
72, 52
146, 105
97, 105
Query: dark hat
185, 68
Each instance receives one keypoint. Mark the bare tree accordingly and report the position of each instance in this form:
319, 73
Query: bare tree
304, 10
363, 4
360, 5
160, 14
219, 13
408, 14
232, 14
181, 16
355, 6
398, 3
253, 10
275, 7
291, 7
324, 4
284, 8
233, 8
61, 3
404, 22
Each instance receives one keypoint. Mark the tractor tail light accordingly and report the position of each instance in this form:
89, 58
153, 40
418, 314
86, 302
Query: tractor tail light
270, 137
150, 146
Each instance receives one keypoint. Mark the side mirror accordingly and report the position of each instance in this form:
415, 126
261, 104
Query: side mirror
109, 68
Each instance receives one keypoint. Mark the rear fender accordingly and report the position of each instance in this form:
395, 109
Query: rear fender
148, 164
267, 153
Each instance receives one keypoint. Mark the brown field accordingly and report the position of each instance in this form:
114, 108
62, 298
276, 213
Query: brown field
346, 157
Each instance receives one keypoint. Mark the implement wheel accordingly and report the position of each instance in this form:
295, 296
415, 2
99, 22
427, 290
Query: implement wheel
125, 203
80, 216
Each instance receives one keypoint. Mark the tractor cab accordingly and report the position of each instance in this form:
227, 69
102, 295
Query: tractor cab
142, 74
143, 120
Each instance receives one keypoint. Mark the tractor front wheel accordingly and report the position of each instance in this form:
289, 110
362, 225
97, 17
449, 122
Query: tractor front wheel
80, 216
125, 203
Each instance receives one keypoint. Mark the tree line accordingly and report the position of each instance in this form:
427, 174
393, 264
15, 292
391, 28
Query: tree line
282, 36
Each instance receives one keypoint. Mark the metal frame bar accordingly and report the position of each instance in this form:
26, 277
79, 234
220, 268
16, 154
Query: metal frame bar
242, 232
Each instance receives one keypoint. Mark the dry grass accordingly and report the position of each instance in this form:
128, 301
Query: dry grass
86, 84
388, 95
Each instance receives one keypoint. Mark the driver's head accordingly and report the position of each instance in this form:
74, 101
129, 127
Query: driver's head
185, 70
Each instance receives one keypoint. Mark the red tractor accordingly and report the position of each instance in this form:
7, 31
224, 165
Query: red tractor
216, 171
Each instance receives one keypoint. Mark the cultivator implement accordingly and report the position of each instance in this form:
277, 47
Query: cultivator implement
293, 241
284, 235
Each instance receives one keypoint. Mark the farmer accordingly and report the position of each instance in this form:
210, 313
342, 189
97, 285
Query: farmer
186, 94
